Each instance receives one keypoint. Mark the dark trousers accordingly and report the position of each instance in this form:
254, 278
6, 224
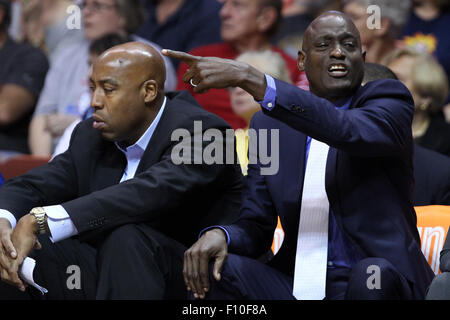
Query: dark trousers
133, 262
439, 288
244, 278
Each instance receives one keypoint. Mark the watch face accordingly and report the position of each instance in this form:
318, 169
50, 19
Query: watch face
38, 210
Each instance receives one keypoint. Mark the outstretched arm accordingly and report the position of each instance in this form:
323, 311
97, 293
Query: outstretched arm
205, 73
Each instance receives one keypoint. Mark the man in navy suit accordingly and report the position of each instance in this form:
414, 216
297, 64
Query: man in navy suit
373, 247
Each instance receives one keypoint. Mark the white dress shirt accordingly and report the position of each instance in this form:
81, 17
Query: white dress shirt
59, 222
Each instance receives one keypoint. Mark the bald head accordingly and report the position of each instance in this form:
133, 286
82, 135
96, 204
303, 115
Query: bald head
335, 17
136, 59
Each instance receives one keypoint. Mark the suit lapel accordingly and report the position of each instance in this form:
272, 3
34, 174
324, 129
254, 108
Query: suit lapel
160, 138
109, 167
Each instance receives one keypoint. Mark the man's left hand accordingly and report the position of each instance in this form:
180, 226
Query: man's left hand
24, 239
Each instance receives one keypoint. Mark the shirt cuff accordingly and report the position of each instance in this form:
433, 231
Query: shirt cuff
270, 95
9, 216
216, 227
59, 222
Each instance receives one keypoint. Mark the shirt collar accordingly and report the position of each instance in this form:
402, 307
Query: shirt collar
343, 104
137, 150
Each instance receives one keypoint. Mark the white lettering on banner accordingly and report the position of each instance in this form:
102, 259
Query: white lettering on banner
432, 239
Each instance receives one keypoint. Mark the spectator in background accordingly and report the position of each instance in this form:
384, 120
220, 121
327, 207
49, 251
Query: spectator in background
297, 15
22, 73
44, 24
246, 25
427, 31
428, 84
67, 77
181, 24
379, 42
431, 169
244, 105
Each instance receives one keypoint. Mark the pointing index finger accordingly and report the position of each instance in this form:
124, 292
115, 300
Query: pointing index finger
183, 56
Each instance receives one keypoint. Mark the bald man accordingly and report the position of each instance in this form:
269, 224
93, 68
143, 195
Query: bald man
343, 192
118, 209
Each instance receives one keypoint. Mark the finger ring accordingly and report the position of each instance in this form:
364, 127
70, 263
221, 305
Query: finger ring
192, 83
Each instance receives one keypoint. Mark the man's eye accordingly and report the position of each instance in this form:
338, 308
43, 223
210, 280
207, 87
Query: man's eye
349, 45
109, 90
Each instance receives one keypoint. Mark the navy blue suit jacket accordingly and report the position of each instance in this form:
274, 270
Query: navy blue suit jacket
369, 177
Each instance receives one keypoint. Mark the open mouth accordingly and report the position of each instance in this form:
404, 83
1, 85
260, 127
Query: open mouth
337, 70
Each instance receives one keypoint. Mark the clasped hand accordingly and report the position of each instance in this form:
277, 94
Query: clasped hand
15, 246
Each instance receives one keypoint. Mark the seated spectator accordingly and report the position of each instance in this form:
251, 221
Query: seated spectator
243, 103
431, 169
66, 80
22, 73
297, 15
96, 48
44, 24
431, 176
427, 31
246, 25
378, 41
427, 81
181, 24
117, 205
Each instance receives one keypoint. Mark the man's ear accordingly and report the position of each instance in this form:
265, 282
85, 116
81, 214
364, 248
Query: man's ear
266, 19
149, 91
301, 60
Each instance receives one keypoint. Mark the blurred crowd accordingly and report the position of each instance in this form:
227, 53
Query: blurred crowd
47, 47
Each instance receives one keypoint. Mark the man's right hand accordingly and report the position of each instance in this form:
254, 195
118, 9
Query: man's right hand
6, 245
8, 253
212, 244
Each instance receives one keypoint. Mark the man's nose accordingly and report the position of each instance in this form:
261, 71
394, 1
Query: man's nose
337, 52
225, 10
96, 100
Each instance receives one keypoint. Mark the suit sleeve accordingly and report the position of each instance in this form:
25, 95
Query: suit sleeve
379, 125
49, 184
252, 234
156, 193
